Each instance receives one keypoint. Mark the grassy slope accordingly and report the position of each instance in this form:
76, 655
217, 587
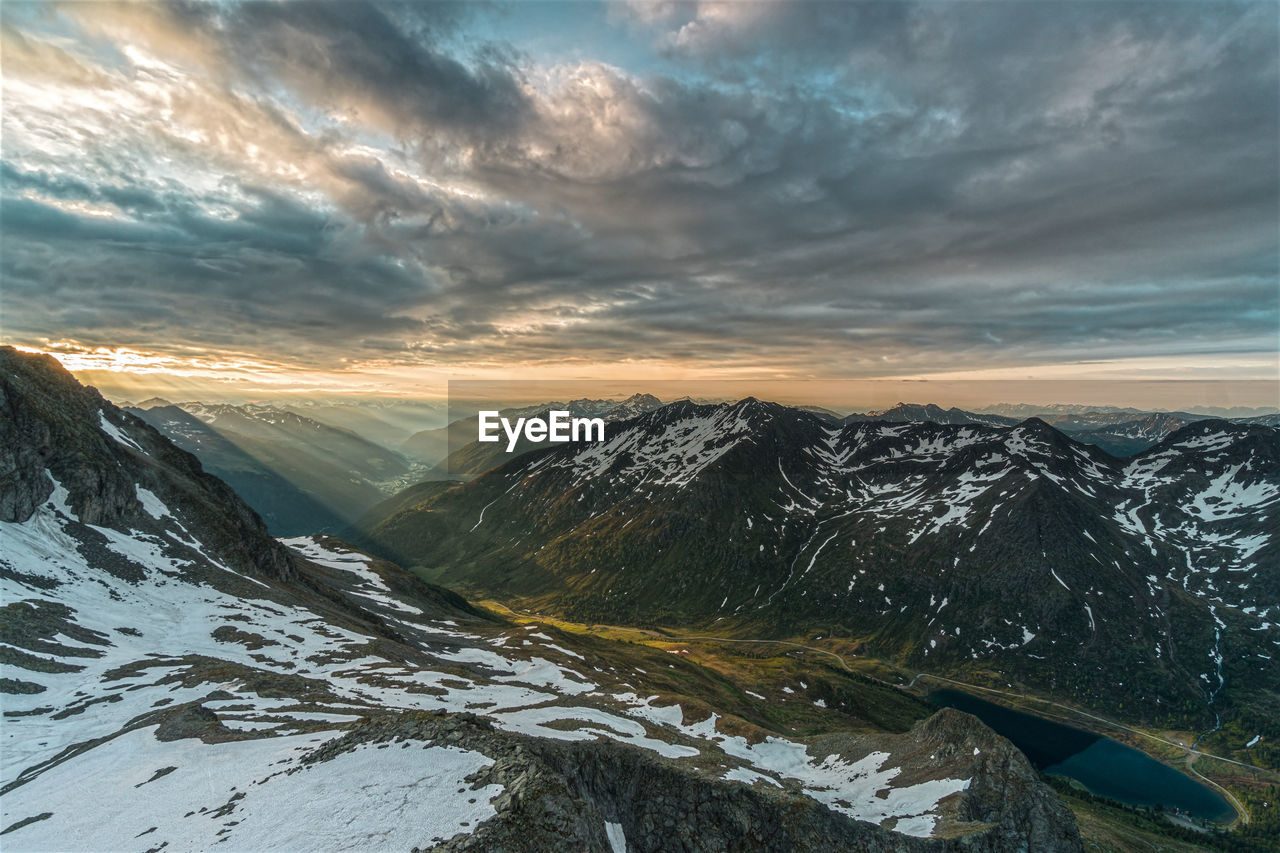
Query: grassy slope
517, 552
867, 693
712, 676
1108, 827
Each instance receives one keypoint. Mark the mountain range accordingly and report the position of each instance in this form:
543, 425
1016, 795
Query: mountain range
1120, 432
1147, 586
1046, 411
176, 679
318, 467
300, 474
310, 466
385, 421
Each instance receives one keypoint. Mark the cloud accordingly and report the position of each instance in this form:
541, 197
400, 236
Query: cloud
853, 188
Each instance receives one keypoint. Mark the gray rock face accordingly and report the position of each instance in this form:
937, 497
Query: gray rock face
191, 721
25, 446
558, 795
1006, 790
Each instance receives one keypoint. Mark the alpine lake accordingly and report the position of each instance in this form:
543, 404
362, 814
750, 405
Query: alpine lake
1106, 767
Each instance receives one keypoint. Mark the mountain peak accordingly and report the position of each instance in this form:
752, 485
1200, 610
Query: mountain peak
1041, 431
153, 403
113, 470
1214, 431
753, 406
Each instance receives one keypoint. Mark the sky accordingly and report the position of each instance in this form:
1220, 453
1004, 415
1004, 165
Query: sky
202, 199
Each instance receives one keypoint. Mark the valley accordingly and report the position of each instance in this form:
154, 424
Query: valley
196, 681
154, 626
301, 474
789, 670
986, 553
639, 426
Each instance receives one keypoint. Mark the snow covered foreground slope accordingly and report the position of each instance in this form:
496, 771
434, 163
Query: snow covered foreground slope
173, 679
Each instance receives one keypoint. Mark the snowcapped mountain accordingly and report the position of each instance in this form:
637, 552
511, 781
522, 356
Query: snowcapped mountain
1120, 432
175, 679
610, 410
1022, 411
1126, 437
1148, 583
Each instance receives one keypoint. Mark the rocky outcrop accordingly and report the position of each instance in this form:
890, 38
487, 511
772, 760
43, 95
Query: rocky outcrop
26, 444
559, 795
1007, 794
191, 721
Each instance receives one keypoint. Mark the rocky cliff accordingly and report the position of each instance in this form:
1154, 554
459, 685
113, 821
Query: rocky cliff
50, 424
565, 796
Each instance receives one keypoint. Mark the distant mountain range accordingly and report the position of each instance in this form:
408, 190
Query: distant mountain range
1148, 585
301, 475
1119, 431
177, 679
309, 467
313, 466
385, 422
916, 413
283, 504
1029, 410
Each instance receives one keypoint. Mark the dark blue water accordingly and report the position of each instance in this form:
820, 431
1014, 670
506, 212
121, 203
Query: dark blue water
1106, 767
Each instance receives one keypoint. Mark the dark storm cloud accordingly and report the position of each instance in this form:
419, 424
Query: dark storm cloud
387, 59
939, 184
